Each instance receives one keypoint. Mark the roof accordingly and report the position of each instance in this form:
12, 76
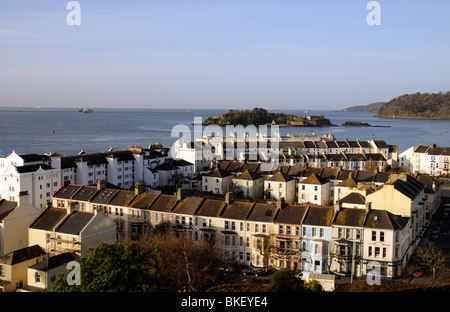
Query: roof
262, 212
21, 255
248, 175
280, 177
350, 217
211, 208
237, 210
164, 203
353, 198
313, 179
319, 216
380, 144
291, 214
143, 200
122, 198
410, 188
6, 207
188, 206
382, 219
32, 168
85, 193
75, 223
349, 182
67, 191
33, 157
49, 219
421, 149
104, 196
217, 173
54, 261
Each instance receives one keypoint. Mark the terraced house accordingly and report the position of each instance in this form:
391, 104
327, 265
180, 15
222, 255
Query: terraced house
310, 238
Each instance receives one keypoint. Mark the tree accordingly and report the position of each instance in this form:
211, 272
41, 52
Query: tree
286, 281
189, 265
117, 267
432, 256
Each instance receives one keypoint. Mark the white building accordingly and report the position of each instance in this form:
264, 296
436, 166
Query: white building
314, 190
279, 186
29, 173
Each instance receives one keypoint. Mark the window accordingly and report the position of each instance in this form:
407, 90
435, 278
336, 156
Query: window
280, 229
313, 232
374, 235
384, 252
370, 251
377, 251
381, 236
322, 232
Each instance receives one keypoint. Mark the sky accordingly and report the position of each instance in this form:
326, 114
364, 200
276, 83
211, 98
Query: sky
237, 54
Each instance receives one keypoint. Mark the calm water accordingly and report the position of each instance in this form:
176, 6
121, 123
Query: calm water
67, 132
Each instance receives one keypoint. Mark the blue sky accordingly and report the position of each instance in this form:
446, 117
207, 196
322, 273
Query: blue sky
221, 53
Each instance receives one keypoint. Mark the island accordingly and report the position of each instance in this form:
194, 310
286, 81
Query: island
259, 116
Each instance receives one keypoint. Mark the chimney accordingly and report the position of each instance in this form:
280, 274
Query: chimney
368, 207
180, 193
280, 203
24, 198
139, 188
101, 184
228, 198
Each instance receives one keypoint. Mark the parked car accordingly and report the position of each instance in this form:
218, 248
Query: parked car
418, 272
436, 230
248, 271
434, 236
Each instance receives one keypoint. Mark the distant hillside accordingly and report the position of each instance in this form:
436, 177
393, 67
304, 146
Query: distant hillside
369, 108
425, 105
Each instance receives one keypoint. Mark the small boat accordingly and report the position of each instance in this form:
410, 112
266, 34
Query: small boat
87, 110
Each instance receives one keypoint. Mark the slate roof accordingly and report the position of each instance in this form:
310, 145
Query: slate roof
122, 198
248, 175
75, 223
410, 188
349, 182
6, 207
382, 219
164, 203
104, 196
353, 198
54, 261
211, 208
262, 212
32, 168
217, 173
291, 214
23, 254
188, 205
280, 177
49, 219
237, 210
313, 179
319, 216
350, 217
85, 193
143, 200
67, 191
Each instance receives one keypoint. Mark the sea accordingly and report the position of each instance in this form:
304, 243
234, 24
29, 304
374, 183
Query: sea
63, 130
